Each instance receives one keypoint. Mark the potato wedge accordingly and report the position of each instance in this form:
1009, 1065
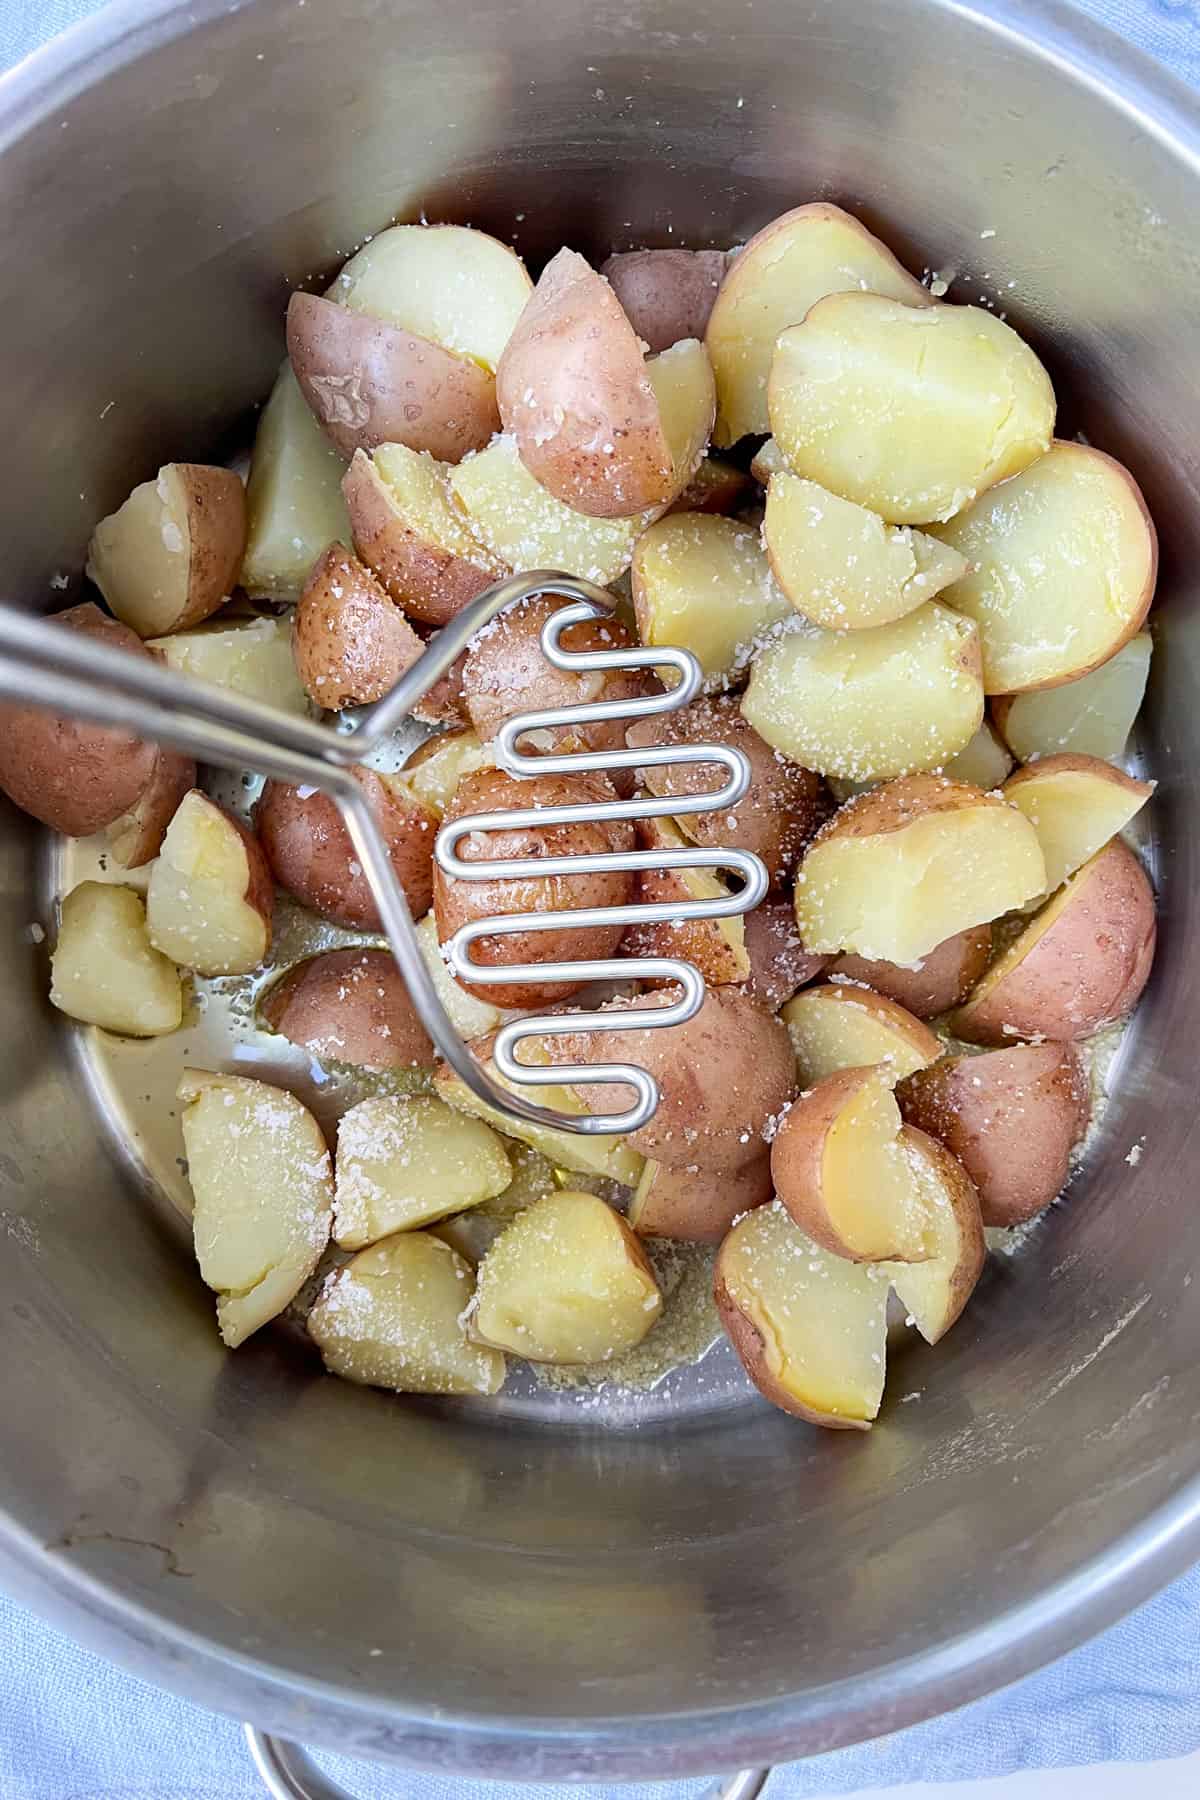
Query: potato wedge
704, 583
809, 1328
780, 962
135, 838
251, 657
410, 535
348, 1006
294, 501
682, 380
910, 410
935, 1291
407, 1160
392, 1318
1063, 563
940, 979
263, 1189
311, 855
785, 269
105, 971
841, 566
351, 642
697, 1205
984, 762
716, 487
865, 705
898, 871
209, 902
369, 382
443, 703
767, 460
1075, 804
1080, 964
716, 947
837, 1026
1091, 716
470, 1016
436, 767
171, 554
451, 284
666, 294
566, 1282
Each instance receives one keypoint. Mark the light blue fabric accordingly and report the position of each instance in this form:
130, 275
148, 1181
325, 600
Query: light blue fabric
72, 1727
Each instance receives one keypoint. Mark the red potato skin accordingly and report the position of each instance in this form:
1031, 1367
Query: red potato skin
429, 584
779, 964
945, 978
350, 1006
698, 1207
666, 294
445, 703
747, 1341
136, 837
310, 853
350, 641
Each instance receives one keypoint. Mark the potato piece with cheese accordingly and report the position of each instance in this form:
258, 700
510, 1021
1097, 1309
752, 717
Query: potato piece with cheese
1075, 804
171, 554
407, 1160
252, 657
105, 971
704, 583
935, 1292
209, 902
1091, 716
294, 503
839, 1026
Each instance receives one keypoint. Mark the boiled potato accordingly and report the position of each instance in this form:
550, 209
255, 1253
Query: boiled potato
1091, 716
406, 1160
869, 704
697, 1205
716, 487
839, 1166
898, 871
171, 554
666, 295
209, 902
75, 777
566, 1282
533, 1177
1075, 804
715, 946
252, 657
135, 838
436, 767
470, 1016
837, 1026
105, 971
1080, 964
682, 380
940, 979
984, 761
443, 703
310, 853
392, 1318
780, 962
810, 1328
1011, 1117
841, 566
704, 583
459, 902
912, 411
294, 498
455, 286
263, 1190
369, 382
409, 534
1063, 560
934, 1292
349, 1006
351, 642
767, 460
785, 269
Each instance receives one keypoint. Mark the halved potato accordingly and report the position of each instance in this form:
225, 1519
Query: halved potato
171, 554
666, 294
696, 1205
940, 979
1075, 804
470, 1016
451, 284
566, 1282
135, 838
810, 1328
294, 498
406, 1160
785, 269
393, 1318
351, 642
311, 855
704, 583
410, 535
349, 1006
910, 410
715, 946
436, 767
1063, 560
105, 971
869, 704
716, 487
209, 902
250, 656
780, 961
934, 1292
901, 869
838, 1026
984, 762
263, 1188
1080, 964
841, 566
1091, 716
443, 703
839, 1166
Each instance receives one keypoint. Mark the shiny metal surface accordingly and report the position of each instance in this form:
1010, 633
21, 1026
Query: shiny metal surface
492, 1597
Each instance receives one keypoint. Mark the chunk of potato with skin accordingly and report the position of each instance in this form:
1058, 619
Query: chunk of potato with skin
1063, 560
135, 838
809, 1328
714, 946
294, 501
840, 1168
252, 657
1079, 965
263, 1190
837, 1026
458, 902
866, 705
369, 383
940, 979
780, 962
454, 285
841, 566
407, 1160
443, 703
210, 898
310, 852
75, 777
171, 554
695, 1205
436, 767
392, 1318
470, 1016
901, 869
935, 1292
716, 487
666, 294
105, 971
413, 539
1091, 716
349, 1006
1075, 804
704, 583
984, 762
351, 642
911, 411
784, 270
566, 1282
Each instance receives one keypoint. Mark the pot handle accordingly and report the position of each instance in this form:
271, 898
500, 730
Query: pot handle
289, 1773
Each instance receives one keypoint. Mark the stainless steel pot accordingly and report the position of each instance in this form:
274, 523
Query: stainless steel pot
438, 1586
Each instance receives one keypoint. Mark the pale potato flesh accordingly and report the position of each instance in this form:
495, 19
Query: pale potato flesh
868, 1190
912, 411
201, 906
704, 583
406, 1160
263, 1189
417, 486
935, 1291
392, 1318
458, 287
252, 657
171, 554
533, 1177
984, 761
840, 1026
1075, 804
435, 771
470, 1016
864, 705
716, 946
682, 380
566, 1282
1091, 716
105, 971
608, 1156
293, 496
768, 460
